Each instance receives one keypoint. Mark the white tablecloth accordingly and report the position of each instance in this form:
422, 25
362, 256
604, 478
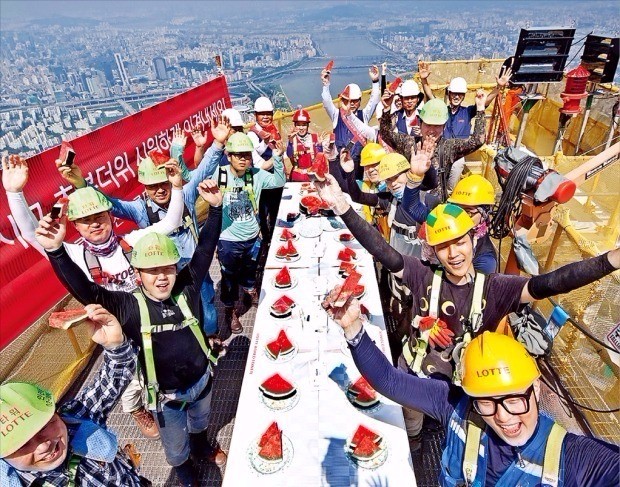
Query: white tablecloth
319, 425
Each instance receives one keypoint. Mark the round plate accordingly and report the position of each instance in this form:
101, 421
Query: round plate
293, 284
282, 358
310, 228
351, 398
288, 259
282, 405
349, 242
266, 467
327, 227
373, 463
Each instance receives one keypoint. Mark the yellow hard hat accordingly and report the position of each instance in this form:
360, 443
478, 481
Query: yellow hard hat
392, 164
473, 191
447, 222
372, 153
496, 365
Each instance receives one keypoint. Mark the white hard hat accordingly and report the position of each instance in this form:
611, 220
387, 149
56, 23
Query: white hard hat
351, 92
263, 104
458, 85
409, 88
233, 116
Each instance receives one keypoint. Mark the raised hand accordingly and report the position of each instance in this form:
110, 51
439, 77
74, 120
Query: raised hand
51, 233
346, 161
325, 77
330, 192
103, 327
384, 69
503, 80
14, 173
173, 172
386, 98
210, 192
292, 133
347, 316
279, 148
373, 72
220, 129
424, 69
198, 137
481, 99
178, 137
72, 174
421, 159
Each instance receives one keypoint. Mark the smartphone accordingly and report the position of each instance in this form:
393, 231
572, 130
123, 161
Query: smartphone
58, 210
332, 139
67, 154
349, 146
394, 85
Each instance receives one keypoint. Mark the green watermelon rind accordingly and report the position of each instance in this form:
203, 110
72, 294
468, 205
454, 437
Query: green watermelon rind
271, 392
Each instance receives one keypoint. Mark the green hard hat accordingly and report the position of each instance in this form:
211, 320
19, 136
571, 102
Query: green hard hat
434, 112
85, 202
239, 142
149, 174
154, 250
24, 409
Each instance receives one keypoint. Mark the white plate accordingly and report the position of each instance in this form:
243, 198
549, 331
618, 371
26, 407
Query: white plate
288, 259
369, 409
294, 281
281, 405
310, 228
328, 228
350, 242
266, 467
281, 358
371, 464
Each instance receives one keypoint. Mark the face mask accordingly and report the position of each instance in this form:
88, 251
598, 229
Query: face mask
398, 194
382, 187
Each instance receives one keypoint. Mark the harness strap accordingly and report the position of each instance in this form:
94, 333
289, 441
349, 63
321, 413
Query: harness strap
470, 459
187, 220
248, 186
553, 453
475, 312
94, 266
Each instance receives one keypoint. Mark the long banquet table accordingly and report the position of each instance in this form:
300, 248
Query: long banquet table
322, 420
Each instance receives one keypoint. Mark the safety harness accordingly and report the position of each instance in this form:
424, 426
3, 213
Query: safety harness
248, 185
553, 451
147, 329
300, 149
154, 216
415, 349
94, 266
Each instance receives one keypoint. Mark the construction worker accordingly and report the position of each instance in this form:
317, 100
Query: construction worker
370, 157
153, 206
453, 303
103, 256
264, 135
302, 147
72, 446
239, 244
495, 432
433, 116
406, 120
345, 128
476, 196
163, 318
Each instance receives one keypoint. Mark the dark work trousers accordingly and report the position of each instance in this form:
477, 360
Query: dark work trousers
238, 262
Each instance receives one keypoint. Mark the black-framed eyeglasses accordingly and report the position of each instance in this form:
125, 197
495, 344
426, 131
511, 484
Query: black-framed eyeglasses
242, 155
513, 403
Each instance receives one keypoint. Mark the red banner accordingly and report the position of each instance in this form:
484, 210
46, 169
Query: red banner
108, 158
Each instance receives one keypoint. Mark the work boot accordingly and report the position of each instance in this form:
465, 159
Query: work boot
415, 442
146, 423
232, 319
201, 448
251, 297
186, 473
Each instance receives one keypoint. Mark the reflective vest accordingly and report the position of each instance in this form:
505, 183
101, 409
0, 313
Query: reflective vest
147, 329
415, 348
401, 122
464, 458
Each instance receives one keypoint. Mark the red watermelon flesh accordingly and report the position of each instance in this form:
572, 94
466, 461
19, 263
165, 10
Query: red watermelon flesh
274, 349
286, 346
346, 268
343, 256
282, 252
159, 156
366, 448
290, 249
361, 433
359, 290
312, 203
319, 167
287, 235
348, 288
273, 430
283, 278
272, 449
361, 386
277, 386
282, 304
66, 319
364, 310
346, 237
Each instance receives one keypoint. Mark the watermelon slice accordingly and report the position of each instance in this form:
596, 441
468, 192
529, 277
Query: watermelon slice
159, 156
364, 310
278, 388
366, 449
329, 66
282, 252
346, 237
346, 268
364, 396
359, 291
281, 308
311, 204
348, 288
286, 346
394, 85
319, 167
283, 278
363, 432
347, 254
287, 235
290, 249
67, 319
273, 348
270, 444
